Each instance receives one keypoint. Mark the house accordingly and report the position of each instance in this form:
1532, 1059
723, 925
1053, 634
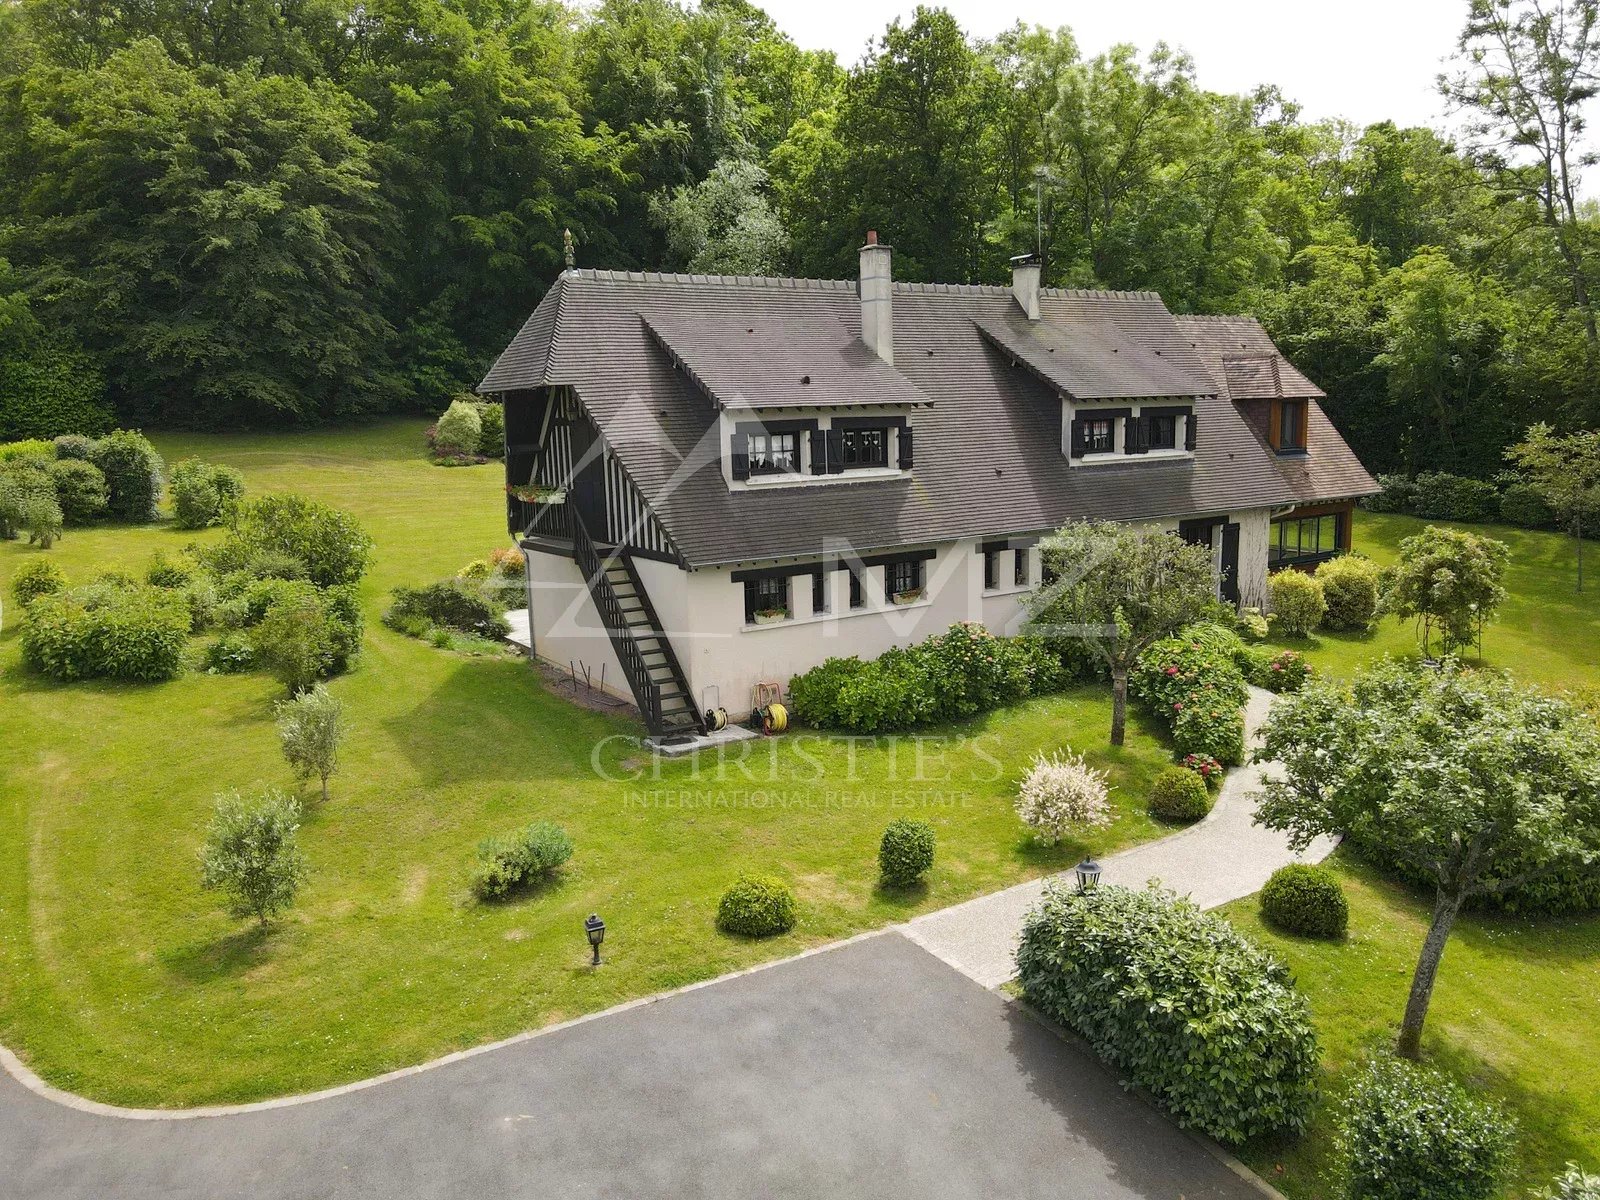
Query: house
721, 481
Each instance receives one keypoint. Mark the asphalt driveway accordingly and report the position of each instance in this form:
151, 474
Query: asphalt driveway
870, 1070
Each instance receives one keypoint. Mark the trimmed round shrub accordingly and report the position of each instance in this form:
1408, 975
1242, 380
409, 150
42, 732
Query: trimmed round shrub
1177, 1000
133, 474
116, 632
460, 429
1179, 795
1408, 1133
905, 852
1350, 589
204, 494
1306, 899
756, 906
519, 859
80, 489
36, 577
1297, 601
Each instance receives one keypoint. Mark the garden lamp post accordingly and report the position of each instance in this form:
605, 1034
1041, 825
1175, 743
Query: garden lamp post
1088, 875
596, 929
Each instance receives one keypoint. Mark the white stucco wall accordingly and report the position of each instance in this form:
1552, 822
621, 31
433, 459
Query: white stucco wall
703, 613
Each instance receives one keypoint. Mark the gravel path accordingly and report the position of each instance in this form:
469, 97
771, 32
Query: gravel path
1216, 860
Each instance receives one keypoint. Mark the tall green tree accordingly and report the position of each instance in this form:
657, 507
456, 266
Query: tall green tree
1462, 778
1565, 471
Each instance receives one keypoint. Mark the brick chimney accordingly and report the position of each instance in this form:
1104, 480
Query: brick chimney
1025, 283
877, 321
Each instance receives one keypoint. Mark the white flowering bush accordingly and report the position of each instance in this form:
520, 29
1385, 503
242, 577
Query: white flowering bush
1061, 792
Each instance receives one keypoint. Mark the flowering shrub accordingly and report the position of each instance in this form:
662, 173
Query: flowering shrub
958, 673
1210, 729
1208, 768
1285, 672
1060, 793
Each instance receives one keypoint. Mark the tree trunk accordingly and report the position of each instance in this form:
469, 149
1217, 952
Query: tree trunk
324, 789
1579, 520
1119, 704
1444, 919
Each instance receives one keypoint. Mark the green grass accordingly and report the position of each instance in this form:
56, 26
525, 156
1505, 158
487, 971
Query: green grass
121, 980
1546, 633
1513, 1016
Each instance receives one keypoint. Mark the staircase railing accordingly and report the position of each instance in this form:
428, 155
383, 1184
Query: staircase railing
645, 691
673, 665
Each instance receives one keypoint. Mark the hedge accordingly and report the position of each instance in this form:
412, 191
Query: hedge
958, 673
49, 388
133, 474
1188, 1008
451, 603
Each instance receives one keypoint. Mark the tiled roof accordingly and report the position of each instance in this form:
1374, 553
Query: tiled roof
805, 360
988, 453
1089, 356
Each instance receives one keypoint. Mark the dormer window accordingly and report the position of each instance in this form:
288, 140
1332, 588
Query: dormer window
864, 448
1287, 430
1099, 435
1163, 432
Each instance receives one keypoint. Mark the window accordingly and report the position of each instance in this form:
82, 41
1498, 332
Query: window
819, 592
765, 594
1163, 431
1297, 540
1292, 426
902, 579
991, 570
860, 448
858, 598
1019, 567
774, 453
1099, 435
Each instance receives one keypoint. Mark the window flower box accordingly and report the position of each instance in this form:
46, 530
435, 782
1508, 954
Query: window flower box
771, 616
530, 493
910, 597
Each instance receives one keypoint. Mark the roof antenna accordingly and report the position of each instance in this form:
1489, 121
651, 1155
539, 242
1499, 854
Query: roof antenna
1041, 173
567, 252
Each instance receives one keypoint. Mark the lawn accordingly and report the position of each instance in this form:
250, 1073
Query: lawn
1546, 633
121, 980
1514, 1013
1513, 1016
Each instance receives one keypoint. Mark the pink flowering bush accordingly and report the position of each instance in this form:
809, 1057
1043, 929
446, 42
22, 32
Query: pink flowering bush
1286, 672
1209, 769
1061, 793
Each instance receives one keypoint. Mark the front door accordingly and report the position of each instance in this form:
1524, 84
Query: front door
1230, 562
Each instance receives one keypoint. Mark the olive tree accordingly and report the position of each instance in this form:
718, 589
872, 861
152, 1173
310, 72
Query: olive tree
251, 856
1119, 588
1460, 778
1448, 581
310, 727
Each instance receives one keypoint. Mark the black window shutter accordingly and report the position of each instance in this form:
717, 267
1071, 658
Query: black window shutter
835, 451
1135, 438
740, 456
1079, 448
905, 447
819, 452
1188, 437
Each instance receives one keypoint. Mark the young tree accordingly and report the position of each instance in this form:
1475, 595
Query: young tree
1460, 777
250, 854
1565, 471
311, 726
1119, 588
295, 642
1449, 580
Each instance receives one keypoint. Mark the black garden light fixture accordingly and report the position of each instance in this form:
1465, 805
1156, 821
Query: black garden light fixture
1088, 876
596, 929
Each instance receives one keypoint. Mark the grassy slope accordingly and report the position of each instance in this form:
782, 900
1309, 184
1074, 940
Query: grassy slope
119, 979
1514, 1013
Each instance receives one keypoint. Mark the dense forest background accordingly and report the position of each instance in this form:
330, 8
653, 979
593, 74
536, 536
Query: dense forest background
249, 212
